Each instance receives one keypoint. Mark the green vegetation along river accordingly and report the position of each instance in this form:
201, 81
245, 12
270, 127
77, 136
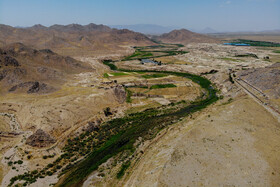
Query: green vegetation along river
144, 124
118, 136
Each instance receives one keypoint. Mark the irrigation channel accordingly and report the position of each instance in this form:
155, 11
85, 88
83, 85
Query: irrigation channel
119, 136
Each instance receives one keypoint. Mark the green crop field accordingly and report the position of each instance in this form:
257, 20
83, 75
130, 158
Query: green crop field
257, 43
159, 86
157, 75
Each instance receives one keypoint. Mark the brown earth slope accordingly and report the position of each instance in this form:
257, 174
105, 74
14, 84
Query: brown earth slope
266, 79
73, 39
185, 36
35, 71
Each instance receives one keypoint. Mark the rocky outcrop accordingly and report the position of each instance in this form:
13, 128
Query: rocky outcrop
25, 69
120, 93
40, 139
8, 61
33, 87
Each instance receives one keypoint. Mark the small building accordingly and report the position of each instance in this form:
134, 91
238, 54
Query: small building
144, 61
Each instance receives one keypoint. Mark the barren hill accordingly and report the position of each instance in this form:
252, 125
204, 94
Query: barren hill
35, 71
185, 36
73, 39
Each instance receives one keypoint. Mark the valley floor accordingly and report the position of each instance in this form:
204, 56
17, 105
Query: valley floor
234, 142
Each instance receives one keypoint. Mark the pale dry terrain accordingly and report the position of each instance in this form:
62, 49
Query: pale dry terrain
60, 114
224, 145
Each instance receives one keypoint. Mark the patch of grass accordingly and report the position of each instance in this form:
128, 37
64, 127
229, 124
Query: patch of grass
147, 55
118, 73
230, 59
159, 86
276, 51
157, 75
128, 95
179, 45
123, 169
110, 63
140, 72
105, 75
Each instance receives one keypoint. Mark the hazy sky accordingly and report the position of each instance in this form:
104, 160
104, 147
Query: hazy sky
221, 15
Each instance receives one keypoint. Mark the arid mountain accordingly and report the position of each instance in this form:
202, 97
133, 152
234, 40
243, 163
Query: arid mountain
184, 36
151, 29
73, 39
29, 70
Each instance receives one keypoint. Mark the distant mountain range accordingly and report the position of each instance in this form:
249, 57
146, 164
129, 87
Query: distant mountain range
146, 28
77, 40
73, 39
91, 39
153, 29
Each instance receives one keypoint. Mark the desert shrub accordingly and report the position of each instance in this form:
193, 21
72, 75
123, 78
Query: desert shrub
106, 75
34, 172
107, 111
230, 78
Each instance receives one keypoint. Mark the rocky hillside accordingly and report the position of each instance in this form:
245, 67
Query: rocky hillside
266, 79
184, 36
73, 39
24, 69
